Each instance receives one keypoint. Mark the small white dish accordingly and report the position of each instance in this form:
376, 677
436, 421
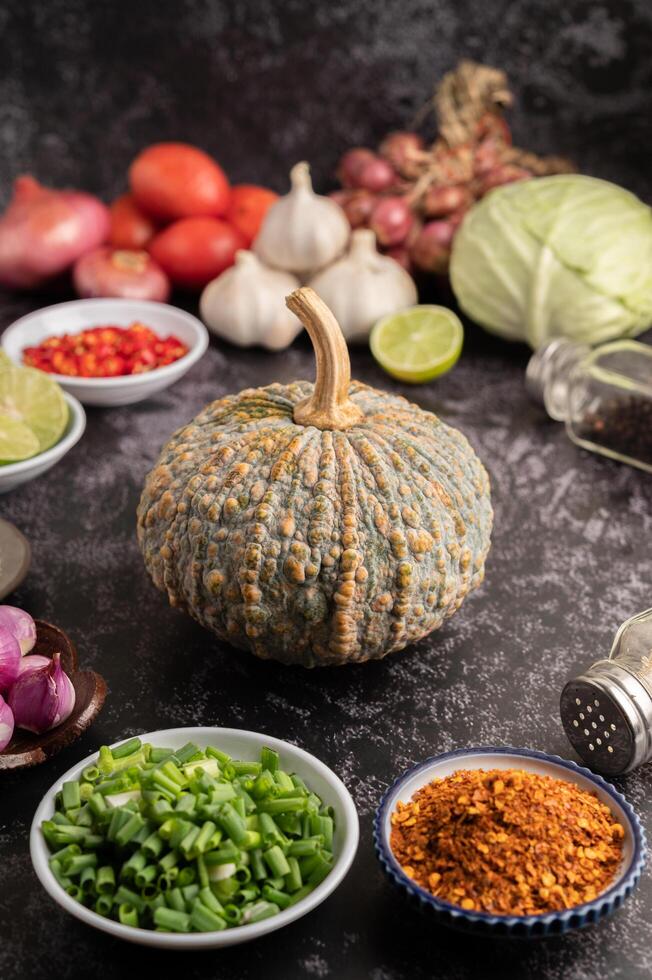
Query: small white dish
80, 314
239, 744
13, 474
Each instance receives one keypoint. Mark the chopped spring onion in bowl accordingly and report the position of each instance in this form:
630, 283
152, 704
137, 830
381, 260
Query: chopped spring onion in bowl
194, 838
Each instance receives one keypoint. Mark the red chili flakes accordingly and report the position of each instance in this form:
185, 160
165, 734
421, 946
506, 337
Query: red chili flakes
105, 352
509, 842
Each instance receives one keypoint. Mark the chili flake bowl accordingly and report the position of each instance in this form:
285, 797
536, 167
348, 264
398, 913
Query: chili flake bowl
13, 474
80, 314
512, 926
240, 744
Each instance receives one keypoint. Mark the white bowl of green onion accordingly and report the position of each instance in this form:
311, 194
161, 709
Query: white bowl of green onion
194, 838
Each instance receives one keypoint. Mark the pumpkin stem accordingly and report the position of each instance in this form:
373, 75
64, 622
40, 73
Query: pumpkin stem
329, 406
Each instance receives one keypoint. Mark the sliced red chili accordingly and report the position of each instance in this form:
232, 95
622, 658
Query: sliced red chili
105, 351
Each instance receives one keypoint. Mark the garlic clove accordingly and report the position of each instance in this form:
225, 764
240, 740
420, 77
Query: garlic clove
6, 724
41, 699
303, 231
364, 286
246, 304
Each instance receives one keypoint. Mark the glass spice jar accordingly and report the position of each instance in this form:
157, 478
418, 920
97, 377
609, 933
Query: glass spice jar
607, 710
603, 395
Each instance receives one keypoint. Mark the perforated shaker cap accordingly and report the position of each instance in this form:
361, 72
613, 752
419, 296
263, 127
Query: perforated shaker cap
607, 715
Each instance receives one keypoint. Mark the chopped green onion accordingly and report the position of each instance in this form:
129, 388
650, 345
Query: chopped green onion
175, 900
198, 841
75, 865
124, 894
189, 752
293, 879
282, 899
172, 920
127, 748
105, 880
71, 796
276, 861
259, 911
127, 914
103, 905
282, 805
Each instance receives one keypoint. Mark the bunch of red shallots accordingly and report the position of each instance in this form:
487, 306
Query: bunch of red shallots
414, 196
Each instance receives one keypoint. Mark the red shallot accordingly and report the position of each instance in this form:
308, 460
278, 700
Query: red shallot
430, 250
121, 273
6, 724
41, 699
506, 173
391, 220
376, 175
442, 199
404, 151
21, 625
357, 205
10, 658
31, 662
44, 231
351, 164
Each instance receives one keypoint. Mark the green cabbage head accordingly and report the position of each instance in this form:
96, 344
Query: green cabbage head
563, 256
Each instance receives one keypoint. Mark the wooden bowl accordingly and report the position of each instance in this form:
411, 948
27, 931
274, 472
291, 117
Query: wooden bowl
27, 749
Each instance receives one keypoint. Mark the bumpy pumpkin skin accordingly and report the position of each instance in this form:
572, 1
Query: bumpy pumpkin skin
316, 547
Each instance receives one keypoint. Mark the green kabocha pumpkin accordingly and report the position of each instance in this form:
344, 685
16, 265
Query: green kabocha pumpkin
322, 524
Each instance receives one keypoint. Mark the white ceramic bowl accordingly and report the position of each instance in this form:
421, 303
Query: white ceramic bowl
13, 474
242, 745
80, 314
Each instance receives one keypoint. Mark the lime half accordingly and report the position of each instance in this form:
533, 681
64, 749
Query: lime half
17, 441
32, 398
417, 344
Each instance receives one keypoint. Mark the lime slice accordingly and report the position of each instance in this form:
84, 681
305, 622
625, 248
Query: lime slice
417, 344
31, 397
17, 441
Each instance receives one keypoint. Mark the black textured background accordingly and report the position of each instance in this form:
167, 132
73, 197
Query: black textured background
261, 84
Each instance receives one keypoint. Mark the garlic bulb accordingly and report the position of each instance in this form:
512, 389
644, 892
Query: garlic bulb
303, 231
246, 304
363, 286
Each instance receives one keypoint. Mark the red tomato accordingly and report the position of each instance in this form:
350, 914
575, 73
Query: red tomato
175, 180
195, 250
249, 205
130, 227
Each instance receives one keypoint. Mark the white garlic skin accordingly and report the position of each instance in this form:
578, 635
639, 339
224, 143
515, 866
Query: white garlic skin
303, 231
246, 305
364, 286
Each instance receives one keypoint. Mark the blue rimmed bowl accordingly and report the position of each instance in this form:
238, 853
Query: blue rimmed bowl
526, 926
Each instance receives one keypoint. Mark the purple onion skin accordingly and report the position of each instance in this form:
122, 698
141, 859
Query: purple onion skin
43, 698
9, 658
6, 724
31, 662
21, 624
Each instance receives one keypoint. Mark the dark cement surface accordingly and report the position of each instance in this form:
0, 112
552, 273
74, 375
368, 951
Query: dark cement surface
571, 555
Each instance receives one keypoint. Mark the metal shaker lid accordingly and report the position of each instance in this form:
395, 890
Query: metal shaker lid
607, 716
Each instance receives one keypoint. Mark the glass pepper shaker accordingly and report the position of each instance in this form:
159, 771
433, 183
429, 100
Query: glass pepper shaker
603, 395
607, 710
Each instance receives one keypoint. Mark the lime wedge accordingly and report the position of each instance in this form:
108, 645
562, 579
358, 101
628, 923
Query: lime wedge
417, 344
32, 398
17, 441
